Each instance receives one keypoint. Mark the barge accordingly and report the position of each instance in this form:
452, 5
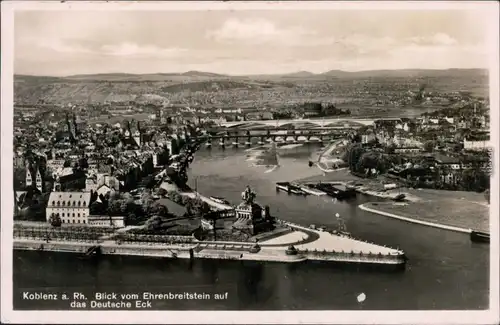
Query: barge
310, 190
289, 188
336, 190
219, 200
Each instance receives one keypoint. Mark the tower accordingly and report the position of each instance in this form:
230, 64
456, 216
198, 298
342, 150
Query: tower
138, 135
39, 180
75, 128
29, 177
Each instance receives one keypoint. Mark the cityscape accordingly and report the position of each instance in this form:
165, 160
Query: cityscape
219, 186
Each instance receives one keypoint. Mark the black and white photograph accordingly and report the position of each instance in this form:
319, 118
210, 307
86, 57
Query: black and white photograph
251, 158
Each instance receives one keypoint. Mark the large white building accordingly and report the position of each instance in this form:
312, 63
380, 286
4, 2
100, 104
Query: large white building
477, 145
71, 207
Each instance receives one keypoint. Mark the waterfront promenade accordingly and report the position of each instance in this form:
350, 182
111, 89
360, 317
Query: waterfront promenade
309, 245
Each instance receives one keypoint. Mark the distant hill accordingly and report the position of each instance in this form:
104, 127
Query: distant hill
250, 89
406, 73
299, 74
202, 74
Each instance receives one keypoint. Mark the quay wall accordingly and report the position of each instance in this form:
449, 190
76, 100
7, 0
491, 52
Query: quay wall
354, 258
421, 222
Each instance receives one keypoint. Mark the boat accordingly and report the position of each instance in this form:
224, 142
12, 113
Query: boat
248, 143
219, 200
336, 191
312, 191
479, 236
282, 186
290, 188
235, 144
208, 144
260, 143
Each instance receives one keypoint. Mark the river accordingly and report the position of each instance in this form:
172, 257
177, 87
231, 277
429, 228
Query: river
445, 270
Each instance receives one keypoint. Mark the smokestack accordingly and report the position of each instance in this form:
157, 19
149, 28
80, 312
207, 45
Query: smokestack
128, 128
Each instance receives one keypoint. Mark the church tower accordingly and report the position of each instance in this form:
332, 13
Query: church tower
29, 177
39, 180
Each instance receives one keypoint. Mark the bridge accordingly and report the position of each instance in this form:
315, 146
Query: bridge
281, 136
313, 123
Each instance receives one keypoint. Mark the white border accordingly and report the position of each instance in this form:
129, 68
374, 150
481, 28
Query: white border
238, 317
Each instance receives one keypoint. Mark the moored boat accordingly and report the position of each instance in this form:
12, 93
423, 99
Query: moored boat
219, 200
282, 186
290, 188
312, 191
479, 236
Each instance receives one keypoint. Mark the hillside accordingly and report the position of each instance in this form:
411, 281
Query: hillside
203, 88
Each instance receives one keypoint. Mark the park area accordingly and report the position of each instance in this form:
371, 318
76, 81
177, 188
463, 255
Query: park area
469, 210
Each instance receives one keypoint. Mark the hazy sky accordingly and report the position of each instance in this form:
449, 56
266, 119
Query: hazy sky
245, 42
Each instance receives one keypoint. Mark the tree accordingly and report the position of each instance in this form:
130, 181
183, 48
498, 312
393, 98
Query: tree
114, 208
83, 163
159, 209
147, 201
55, 220
429, 146
96, 208
131, 219
162, 192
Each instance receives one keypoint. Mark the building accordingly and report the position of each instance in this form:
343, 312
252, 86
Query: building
368, 138
106, 221
91, 183
55, 164
407, 150
477, 145
71, 207
447, 162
